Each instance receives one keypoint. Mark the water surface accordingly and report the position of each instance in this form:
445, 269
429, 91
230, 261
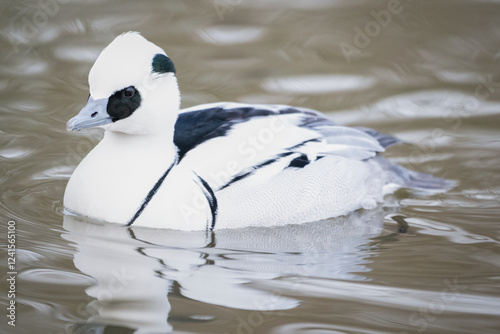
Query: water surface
427, 72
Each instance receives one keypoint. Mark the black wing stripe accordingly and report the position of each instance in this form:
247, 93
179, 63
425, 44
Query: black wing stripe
303, 143
236, 178
150, 195
299, 162
212, 200
384, 139
254, 169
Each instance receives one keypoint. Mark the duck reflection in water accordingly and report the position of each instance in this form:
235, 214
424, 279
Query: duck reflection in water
138, 269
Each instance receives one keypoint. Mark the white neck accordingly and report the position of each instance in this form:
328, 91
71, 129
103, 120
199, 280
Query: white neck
143, 142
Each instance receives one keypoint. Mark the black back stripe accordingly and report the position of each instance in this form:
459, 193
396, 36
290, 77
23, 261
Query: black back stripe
212, 200
193, 128
197, 126
150, 195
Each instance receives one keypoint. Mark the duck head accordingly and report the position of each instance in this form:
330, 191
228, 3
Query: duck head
133, 89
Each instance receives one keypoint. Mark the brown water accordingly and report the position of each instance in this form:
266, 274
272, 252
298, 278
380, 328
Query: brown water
429, 73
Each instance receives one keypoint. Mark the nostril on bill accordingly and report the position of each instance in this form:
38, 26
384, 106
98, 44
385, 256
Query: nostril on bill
94, 114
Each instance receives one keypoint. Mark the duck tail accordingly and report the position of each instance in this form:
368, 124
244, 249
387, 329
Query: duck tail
400, 177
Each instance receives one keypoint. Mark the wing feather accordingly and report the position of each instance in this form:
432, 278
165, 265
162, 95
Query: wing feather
235, 139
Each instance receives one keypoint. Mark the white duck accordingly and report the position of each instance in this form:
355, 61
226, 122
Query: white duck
222, 165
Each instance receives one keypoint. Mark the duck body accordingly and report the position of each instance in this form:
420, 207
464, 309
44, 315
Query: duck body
222, 165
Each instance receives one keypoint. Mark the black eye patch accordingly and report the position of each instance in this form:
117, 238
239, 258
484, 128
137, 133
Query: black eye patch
123, 103
162, 64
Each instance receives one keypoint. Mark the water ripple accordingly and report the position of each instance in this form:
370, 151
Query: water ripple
54, 277
230, 34
317, 84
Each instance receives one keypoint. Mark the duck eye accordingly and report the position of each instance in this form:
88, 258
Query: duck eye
129, 92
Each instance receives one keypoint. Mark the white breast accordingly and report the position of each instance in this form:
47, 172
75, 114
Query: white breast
115, 177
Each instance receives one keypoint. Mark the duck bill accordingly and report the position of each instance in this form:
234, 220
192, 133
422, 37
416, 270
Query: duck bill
92, 115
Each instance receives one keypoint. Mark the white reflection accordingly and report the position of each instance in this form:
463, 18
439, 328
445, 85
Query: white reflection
317, 84
228, 34
77, 53
136, 268
128, 290
13, 153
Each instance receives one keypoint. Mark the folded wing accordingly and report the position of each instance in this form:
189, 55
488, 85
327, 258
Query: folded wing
227, 142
